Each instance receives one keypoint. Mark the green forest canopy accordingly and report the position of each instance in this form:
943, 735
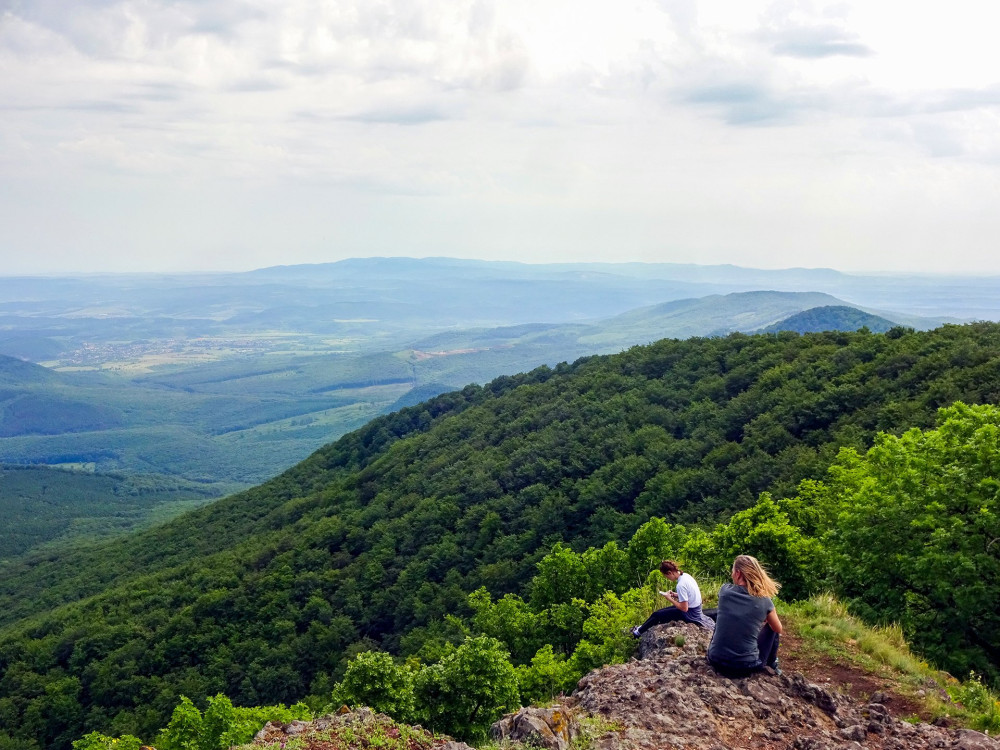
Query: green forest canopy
375, 538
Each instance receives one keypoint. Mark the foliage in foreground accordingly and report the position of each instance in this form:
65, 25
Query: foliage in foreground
915, 536
221, 726
906, 531
461, 695
513, 650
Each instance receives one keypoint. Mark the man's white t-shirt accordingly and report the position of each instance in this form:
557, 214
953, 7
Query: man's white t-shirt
688, 591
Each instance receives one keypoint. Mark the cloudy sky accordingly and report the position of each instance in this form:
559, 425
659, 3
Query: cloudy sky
235, 134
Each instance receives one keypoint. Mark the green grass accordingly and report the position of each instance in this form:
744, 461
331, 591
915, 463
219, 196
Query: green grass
826, 625
829, 630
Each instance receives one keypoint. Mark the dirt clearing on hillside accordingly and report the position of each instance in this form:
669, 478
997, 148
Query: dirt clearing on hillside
847, 679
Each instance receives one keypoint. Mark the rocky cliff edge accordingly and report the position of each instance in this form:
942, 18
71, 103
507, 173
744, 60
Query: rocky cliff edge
669, 698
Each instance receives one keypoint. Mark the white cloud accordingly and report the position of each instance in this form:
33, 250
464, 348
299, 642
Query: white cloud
737, 130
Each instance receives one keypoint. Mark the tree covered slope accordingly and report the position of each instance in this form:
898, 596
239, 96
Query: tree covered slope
45, 506
376, 537
831, 318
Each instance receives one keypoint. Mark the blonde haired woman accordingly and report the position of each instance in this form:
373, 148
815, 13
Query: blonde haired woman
747, 628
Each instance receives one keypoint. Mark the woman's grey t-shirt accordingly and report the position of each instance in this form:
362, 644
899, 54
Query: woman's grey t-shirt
741, 616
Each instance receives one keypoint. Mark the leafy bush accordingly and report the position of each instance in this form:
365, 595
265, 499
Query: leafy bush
222, 724
765, 531
548, 675
510, 620
461, 695
468, 690
98, 741
979, 701
373, 679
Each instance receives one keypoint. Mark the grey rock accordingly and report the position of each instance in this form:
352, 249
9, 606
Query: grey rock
967, 739
672, 698
552, 728
877, 713
855, 732
269, 728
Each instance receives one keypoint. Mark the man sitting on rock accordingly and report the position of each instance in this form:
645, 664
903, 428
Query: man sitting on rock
686, 601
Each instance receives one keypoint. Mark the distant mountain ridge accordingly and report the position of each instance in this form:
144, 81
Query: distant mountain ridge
718, 315
831, 318
954, 297
15, 371
250, 414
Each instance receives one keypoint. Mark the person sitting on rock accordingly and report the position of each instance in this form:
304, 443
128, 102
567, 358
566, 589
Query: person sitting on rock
747, 629
686, 602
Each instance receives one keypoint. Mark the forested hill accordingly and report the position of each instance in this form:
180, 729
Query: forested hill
831, 318
17, 372
375, 538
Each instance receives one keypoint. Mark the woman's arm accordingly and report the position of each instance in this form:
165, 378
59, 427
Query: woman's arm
672, 596
773, 622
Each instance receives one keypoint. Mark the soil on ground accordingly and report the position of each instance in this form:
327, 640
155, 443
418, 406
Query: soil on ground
846, 679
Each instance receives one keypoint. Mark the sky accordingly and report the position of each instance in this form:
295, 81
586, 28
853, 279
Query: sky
145, 135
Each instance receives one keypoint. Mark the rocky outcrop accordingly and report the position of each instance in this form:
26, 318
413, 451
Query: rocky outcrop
551, 728
670, 697
362, 729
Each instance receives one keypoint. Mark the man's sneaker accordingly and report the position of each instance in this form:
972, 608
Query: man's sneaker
634, 632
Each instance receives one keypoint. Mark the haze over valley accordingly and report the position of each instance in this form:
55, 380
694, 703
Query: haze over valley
198, 385
230, 378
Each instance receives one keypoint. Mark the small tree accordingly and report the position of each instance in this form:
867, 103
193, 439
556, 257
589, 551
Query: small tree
548, 675
509, 620
184, 730
373, 679
764, 531
654, 541
221, 726
468, 690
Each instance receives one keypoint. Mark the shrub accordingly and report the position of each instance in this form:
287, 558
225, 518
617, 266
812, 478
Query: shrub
221, 726
373, 679
98, 741
468, 690
548, 675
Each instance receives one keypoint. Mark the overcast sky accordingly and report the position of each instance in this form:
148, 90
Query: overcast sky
228, 134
